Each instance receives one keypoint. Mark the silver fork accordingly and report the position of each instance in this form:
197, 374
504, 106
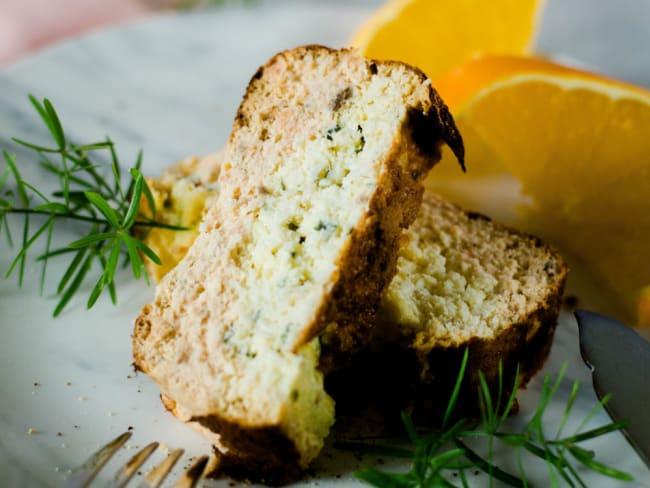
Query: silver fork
82, 476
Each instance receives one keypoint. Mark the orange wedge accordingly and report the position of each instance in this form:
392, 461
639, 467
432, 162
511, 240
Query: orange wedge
565, 155
436, 35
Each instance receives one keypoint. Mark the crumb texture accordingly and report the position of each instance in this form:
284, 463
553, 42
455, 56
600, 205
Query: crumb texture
462, 276
180, 195
466, 281
320, 176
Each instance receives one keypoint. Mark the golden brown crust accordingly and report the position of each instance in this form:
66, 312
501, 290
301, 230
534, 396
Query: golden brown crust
438, 126
262, 454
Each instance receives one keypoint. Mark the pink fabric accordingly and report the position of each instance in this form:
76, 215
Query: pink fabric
26, 25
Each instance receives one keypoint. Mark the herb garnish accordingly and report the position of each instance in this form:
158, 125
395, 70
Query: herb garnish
445, 454
106, 208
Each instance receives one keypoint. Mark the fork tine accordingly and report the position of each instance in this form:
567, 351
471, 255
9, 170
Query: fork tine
193, 474
84, 474
158, 474
127, 471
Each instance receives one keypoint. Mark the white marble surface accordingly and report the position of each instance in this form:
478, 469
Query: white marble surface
171, 85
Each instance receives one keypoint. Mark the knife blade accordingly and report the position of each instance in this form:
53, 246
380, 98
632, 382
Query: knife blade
619, 359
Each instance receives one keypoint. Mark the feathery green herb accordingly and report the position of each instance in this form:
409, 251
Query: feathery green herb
90, 193
445, 454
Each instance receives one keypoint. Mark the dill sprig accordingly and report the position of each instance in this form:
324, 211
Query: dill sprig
89, 193
445, 454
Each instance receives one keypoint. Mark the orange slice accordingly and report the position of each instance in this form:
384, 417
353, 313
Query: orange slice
436, 35
565, 155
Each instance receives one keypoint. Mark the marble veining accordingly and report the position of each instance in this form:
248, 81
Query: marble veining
169, 85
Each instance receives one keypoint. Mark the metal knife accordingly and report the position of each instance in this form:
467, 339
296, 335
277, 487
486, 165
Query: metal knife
619, 359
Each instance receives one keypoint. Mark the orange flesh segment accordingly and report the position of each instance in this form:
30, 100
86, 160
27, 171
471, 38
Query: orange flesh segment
436, 35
